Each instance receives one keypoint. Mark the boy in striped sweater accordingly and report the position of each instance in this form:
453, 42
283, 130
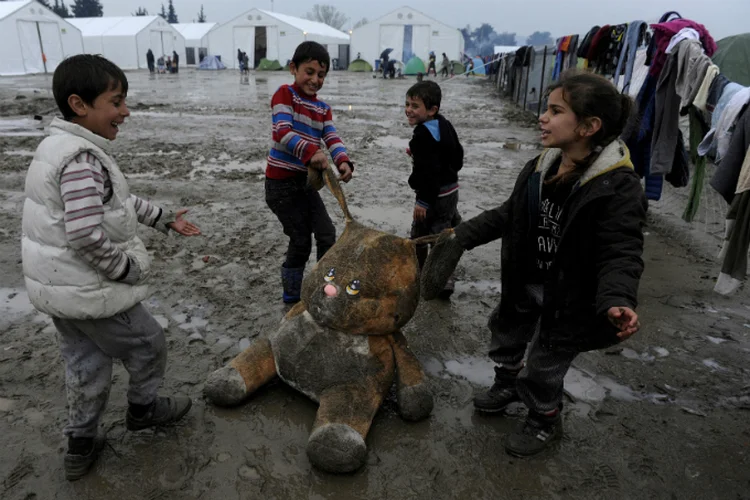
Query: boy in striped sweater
301, 124
84, 264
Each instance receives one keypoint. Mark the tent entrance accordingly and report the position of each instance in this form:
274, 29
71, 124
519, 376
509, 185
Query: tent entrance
261, 44
408, 52
41, 46
343, 57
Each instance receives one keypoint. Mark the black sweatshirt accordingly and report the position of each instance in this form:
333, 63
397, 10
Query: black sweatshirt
435, 163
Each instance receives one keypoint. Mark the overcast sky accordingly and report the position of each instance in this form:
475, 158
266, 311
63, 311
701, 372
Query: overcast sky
560, 17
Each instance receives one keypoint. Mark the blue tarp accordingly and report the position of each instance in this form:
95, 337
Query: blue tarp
479, 68
211, 63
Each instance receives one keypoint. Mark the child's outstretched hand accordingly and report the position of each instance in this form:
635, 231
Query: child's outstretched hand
182, 226
420, 213
345, 171
319, 160
625, 319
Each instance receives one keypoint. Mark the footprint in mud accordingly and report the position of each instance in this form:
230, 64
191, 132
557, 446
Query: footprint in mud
602, 478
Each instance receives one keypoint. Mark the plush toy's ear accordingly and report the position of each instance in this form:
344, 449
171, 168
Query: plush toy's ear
333, 184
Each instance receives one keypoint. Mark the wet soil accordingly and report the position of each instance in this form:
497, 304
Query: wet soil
664, 415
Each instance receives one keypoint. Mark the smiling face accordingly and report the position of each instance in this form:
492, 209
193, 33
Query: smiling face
417, 112
559, 124
365, 284
103, 116
309, 76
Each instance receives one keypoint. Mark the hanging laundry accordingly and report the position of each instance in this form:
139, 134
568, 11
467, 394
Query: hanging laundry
737, 236
663, 33
633, 39
701, 97
692, 65
683, 34
732, 102
725, 179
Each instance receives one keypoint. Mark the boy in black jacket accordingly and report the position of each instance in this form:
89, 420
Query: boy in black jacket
437, 157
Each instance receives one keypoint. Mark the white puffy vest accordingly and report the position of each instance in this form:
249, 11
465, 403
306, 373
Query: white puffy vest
59, 282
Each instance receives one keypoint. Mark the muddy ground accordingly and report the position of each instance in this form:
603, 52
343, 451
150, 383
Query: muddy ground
663, 416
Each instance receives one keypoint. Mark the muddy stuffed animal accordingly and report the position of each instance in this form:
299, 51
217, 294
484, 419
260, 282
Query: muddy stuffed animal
341, 345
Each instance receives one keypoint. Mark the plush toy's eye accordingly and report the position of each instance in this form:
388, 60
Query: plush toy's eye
353, 287
330, 275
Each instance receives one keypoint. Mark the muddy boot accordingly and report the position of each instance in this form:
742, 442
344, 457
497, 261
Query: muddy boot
502, 393
291, 280
535, 435
81, 456
162, 411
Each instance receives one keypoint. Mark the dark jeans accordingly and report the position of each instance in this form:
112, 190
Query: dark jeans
540, 382
302, 213
442, 215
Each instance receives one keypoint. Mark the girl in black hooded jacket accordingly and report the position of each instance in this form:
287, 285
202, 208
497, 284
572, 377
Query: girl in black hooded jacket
571, 255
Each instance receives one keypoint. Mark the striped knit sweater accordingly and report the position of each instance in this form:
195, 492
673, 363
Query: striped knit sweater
85, 188
300, 122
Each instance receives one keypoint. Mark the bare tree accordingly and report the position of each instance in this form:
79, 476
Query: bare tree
327, 14
359, 23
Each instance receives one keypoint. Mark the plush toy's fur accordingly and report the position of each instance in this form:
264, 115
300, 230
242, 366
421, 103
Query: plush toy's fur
341, 345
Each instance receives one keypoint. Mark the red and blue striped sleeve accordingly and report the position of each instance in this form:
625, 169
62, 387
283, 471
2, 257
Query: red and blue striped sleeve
284, 134
333, 142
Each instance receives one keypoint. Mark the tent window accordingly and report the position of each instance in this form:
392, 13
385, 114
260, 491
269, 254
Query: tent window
190, 53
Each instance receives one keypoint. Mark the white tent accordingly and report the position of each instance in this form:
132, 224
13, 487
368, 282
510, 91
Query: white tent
125, 40
274, 36
409, 33
196, 40
33, 39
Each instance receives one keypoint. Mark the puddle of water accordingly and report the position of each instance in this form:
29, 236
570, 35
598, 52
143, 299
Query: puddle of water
478, 371
661, 352
390, 141
631, 354
481, 286
19, 152
715, 340
20, 127
162, 320
710, 363
14, 302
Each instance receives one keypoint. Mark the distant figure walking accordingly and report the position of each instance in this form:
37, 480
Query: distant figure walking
240, 59
431, 66
175, 62
444, 66
150, 61
160, 66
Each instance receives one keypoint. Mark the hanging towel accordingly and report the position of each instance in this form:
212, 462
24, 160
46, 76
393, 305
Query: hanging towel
701, 97
692, 65
718, 137
683, 34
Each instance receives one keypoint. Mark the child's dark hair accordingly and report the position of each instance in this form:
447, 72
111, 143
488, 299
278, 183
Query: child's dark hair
311, 51
590, 96
429, 92
87, 76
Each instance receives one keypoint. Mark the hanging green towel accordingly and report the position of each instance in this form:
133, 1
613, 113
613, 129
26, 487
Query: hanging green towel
698, 131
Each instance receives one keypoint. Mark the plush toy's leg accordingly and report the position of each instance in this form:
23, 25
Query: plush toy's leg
251, 369
337, 442
413, 395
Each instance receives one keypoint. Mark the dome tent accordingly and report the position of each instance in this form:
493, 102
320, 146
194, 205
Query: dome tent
211, 63
414, 66
267, 65
733, 58
360, 66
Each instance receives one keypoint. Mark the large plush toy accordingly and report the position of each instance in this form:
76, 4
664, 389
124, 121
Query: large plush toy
341, 345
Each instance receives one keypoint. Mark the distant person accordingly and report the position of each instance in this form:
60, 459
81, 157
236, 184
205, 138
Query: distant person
169, 64
161, 65
470, 67
571, 259
437, 156
240, 58
175, 62
150, 60
431, 65
246, 63
85, 265
444, 66
300, 123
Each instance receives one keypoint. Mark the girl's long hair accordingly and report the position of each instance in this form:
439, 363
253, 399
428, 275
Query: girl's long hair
589, 96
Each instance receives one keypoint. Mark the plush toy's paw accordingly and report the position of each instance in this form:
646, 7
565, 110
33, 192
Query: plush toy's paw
414, 402
336, 448
225, 387
441, 262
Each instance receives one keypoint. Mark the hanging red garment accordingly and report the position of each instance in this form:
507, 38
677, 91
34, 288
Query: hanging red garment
663, 33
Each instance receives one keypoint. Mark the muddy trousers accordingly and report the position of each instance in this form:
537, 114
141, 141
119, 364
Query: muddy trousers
443, 214
88, 348
302, 214
540, 381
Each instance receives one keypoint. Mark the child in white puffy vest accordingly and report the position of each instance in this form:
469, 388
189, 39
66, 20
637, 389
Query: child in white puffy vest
84, 264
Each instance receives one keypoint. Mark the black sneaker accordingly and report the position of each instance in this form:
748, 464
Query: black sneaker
502, 393
535, 435
81, 456
163, 411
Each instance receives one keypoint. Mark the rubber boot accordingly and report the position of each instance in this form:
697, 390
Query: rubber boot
291, 280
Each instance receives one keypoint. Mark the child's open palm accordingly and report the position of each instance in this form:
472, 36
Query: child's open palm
182, 226
625, 319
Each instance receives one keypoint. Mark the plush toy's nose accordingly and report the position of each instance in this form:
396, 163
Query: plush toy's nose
330, 290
